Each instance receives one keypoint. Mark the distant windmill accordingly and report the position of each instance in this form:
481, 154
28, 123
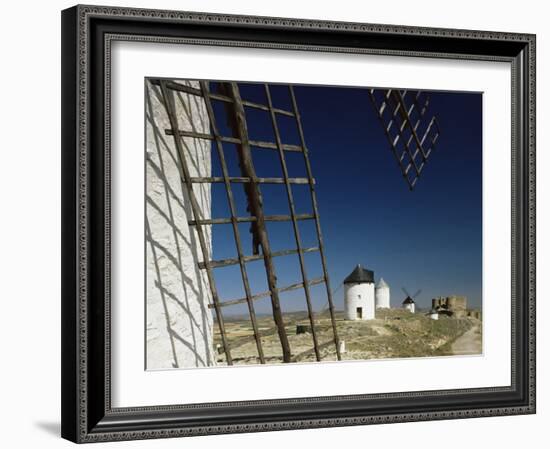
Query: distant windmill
408, 303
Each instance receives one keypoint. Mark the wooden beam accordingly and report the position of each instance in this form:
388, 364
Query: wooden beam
255, 204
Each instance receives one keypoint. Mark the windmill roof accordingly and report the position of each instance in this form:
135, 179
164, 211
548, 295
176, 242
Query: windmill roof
408, 300
360, 275
381, 283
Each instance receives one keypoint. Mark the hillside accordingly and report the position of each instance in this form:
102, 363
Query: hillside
395, 333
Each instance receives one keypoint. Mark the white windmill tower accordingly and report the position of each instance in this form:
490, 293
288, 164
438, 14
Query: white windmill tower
359, 294
382, 295
408, 303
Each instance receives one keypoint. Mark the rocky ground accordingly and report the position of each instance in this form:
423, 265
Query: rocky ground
468, 343
395, 333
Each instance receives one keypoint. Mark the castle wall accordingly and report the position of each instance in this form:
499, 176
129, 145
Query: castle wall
456, 302
455, 306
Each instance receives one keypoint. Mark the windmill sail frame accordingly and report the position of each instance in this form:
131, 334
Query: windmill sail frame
406, 121
235, 107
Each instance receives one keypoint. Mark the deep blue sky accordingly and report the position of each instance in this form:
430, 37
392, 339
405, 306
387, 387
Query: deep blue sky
427, 239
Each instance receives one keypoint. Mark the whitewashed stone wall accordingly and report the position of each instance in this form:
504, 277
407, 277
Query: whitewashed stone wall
410, 307
359, 295
179, 323
382, 295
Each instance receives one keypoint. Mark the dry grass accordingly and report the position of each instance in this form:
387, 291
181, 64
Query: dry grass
395, 333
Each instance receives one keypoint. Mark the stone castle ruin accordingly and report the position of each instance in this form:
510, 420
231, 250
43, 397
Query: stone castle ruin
454, 306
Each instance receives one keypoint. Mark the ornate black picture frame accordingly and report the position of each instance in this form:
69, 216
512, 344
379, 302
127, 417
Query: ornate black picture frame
87, 34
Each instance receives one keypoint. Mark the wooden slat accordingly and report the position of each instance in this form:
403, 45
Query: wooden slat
213, 221
233, 210
317, 222
263, 107
197, 135
395, 96
233, 261
252, 143
266, 294
255, 204
290, 198
272, 146
242, 179
172, 85
405, 117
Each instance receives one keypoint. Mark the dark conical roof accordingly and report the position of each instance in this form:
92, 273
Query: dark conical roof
360, 275
408, 300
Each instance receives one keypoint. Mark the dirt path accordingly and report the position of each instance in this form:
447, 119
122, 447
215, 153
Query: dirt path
468, 343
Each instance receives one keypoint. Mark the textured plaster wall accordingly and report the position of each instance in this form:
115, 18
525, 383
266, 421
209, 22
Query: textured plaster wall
179, 323
382, 297
410, 307
359, 295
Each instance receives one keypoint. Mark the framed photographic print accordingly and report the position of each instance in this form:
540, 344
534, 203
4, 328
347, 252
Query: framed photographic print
283, 223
